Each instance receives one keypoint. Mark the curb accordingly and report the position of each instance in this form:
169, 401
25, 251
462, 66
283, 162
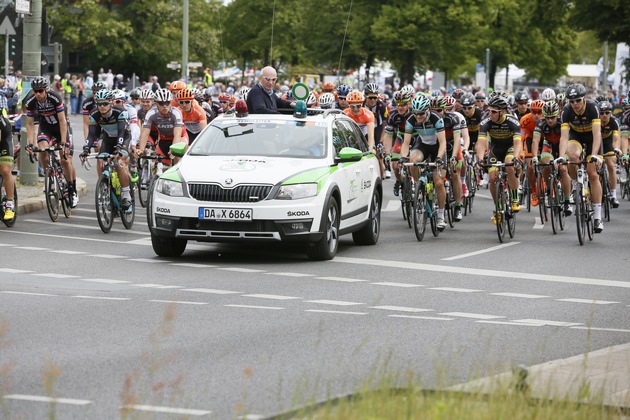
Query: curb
32, 204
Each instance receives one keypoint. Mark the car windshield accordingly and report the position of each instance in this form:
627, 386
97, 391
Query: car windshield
290, 139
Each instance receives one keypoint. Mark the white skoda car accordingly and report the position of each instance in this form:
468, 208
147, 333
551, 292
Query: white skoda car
270, 178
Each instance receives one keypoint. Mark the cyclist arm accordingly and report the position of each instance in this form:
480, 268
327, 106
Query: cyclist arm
94, 130
597, 137
370, 136
564, 139
144, 137
63, 126
30, 131
616, 139
482, 146
457, 135
535, 143
404, 150
86, 125
441, 137
518, 145
624, 141
177, 135
466, 136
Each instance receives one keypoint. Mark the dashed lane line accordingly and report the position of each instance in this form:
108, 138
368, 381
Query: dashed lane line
401, 309
166, 410
212, 291
101, 297
55, 275
323, 311
32, 248
193, 265
241, 270
76, 226
341, 279
26, 293
471, 315
333, 302
455, 289
481, 251
291, 274
547, 322
106, 281
393, 284
14, 271
273, 297
523, 324
428, 318
39, 398
519, 295
179, 302
275, 308
588, 301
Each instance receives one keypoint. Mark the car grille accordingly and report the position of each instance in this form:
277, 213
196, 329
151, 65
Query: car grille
253, 226
238, 194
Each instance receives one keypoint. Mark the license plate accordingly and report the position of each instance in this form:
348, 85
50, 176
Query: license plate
225, 214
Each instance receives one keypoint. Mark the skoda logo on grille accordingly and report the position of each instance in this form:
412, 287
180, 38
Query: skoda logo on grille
229, 181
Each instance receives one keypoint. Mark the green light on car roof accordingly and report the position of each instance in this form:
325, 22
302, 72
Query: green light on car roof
300, 109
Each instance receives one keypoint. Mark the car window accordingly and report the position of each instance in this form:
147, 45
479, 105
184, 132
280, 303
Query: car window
340, 137
354, 137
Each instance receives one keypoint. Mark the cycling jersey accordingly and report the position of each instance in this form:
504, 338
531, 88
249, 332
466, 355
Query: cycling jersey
608, 131
473, 123
581, 125
6, 143
381, 113
363, 119
550, 137
88, 105
528, 125
193, 118
48, 110
504, 132
426, 130
164, 123
624, 123
111, 128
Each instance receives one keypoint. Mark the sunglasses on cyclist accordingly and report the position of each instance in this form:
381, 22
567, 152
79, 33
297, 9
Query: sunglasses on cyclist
419, 113
342, 98
372, 97
402, 104
355, 106
184, 102
102, 103
605, 112
38, 90
468, 108
223, 102
494, 111
575, 101
163, 103
537, 112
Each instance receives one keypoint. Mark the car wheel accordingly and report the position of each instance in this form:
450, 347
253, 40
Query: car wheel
326, 247
168, 247
368, 235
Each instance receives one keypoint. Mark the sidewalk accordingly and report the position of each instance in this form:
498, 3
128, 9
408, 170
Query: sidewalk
31, 197
602, 375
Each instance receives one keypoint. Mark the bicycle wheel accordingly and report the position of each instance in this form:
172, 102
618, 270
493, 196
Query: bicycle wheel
559, 195
603, 179
544, 199
420, 211
66, 198
433, 205
590, 221
580, 214
449, 206
53, 194
499, 210
510, 216
128, 217
554, 206
104, 205
144, 179
471, 183
408, 199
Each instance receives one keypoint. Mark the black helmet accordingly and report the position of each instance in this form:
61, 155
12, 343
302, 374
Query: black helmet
498, 102
98, 86
135, 93
40, 83
467, 99
605, 106
575, 91
521, 96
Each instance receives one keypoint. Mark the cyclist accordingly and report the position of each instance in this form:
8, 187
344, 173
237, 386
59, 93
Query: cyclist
326, 100
362, 116
522, 104
611, 146
548, 130
528, 125
457, 95
169, 123
174, 88
500, 134
581, 132
480, 100
561, 99
6, 163
109, 125
548, 95
207, 108
193, 115
342, 96
224, 100
473, 116
395, 131
430, 145
134, 95
625, 129
378, 108
53, 129
88, 106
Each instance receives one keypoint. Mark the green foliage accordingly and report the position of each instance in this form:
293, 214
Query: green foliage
609, 19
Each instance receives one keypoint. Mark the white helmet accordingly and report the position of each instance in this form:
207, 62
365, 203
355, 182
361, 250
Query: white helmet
311, 100
548, 95
242, 93
163, 95
326, 99
119, 94
146, 94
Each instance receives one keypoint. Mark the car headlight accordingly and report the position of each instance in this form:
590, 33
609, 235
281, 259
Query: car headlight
171, 188
296, 191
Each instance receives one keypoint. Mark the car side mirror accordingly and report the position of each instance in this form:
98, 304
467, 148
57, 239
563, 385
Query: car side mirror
349, 154
178, 149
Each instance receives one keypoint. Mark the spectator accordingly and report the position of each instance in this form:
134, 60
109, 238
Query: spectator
89, 81
261, 98
120, 82
153, 83
110, 79
4, 90
56, 85
66, 86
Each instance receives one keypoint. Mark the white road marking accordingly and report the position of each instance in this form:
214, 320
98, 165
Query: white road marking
147, 260
509, 275
63, 251
241, 270
392, 205
481, 251
537, 224
27, 293
109, 256
333, 302
291, 274
589, 301
106, 281
14, 271
54, 275
38, 398
392, 284
183, 302
254, 307
335, 312
212, 291
401, 309
57, 236
524, 324
341, 279
275, 297
519, 295
166, 410
430, 318
155, 286
7, 245
455, 289
32, 248
547, 322
470, 315
65, 224
600, 329
93, 211
101, 297
193, 265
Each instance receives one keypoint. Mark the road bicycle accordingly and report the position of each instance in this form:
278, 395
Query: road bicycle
471, 184
150, 167
425, 205
407, 185
107, 197
55, 182
550, 197
583, 205
504, 217
624, 180
525, 189
605, 182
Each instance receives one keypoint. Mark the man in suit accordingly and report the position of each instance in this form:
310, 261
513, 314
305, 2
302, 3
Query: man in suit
261, 99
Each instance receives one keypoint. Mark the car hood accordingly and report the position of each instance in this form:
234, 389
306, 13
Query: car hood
229, 171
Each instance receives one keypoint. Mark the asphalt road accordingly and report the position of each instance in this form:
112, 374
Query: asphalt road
99, 322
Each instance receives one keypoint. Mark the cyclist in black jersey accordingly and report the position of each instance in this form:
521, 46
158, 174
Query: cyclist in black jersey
395, 131
522, 104
6, 163
581, 132
624, 126
88, 105
611, 143
378, 108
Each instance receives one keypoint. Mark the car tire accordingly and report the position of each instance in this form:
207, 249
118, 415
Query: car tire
326, 247
368, 234
168, 247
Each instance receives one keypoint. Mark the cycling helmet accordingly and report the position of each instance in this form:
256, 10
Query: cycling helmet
537, 105
436, 93
135, 93
163, 95
98, 86
185, 95
104, 95
355, 97
146, 94
288, 95
326, 99
177, 85
119, 94
403, 97
548, 95
457, 93
605, 106
550, 109
450, 102
438, 102
243, 92
511, 100
40, 83
561, 99
343, 90
409, 89
498, 102
601, 98
520, 96
420, 103
467, 99
224, 97
370, 88
575, 91
311, 100
480, 95
625, 102
329, 87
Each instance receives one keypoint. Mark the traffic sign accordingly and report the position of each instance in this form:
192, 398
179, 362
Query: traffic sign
23, 6
174, 65
300, 91
195, 64
6, 28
